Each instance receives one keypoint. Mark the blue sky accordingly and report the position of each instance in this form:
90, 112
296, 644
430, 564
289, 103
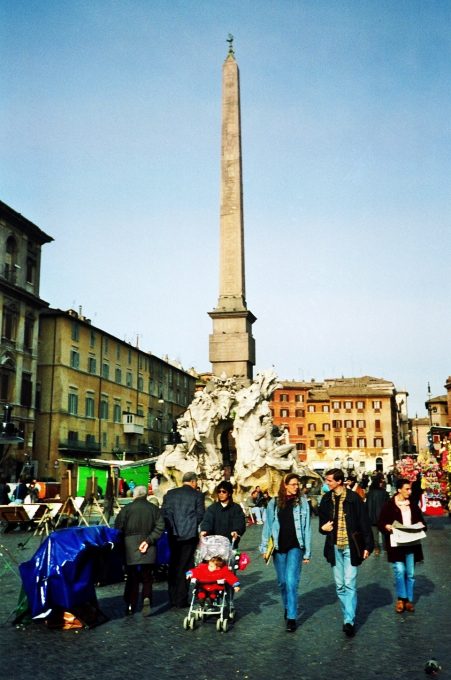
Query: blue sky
110, 138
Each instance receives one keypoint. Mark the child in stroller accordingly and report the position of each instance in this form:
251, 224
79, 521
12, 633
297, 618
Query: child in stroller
214, 583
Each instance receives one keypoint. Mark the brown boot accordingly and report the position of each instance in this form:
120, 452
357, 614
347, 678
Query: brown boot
399, 607
409, 607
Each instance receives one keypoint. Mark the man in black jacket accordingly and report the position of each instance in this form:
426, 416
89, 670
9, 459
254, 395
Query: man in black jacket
183, 510
344, 521
224, 518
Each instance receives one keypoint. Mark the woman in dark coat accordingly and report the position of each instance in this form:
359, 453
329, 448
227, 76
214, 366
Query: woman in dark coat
142, 525
376, 498
403, 557
224, 517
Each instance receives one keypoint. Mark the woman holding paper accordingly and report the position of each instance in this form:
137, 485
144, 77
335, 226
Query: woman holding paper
287, 533
403, 526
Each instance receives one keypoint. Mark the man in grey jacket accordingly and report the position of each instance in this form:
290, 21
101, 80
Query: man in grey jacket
183, 509
142, 525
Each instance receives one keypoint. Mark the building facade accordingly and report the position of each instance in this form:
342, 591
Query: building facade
352, 423
20, 304
99, 396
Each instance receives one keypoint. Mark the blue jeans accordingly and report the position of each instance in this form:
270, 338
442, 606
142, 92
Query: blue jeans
405, 577
345, 576
288, 569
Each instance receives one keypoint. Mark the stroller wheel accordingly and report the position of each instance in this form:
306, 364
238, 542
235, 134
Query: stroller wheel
219, 625
225, 625
186, 623
192, 623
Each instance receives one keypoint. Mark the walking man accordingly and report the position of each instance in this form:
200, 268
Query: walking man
183, 510
141, 524
344, 521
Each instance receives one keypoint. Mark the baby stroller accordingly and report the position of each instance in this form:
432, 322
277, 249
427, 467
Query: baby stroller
217, 601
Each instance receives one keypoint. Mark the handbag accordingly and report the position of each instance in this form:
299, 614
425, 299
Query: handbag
269, 550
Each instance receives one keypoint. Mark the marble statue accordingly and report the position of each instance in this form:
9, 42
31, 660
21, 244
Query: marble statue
261, 456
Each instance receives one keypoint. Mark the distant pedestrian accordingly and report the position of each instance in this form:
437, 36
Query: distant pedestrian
142, 525
401, 509
343, 519
287, 530
5, 490
183, 510
376, 498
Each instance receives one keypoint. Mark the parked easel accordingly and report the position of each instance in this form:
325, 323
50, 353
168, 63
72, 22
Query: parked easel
93, 506
70, 506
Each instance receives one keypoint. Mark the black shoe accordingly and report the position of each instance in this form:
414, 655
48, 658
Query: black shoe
291, 625
349, 630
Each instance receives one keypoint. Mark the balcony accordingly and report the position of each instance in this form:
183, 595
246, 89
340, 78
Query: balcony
75, 446
132, 423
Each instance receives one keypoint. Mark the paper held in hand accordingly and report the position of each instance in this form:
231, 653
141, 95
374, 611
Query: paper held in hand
406, 534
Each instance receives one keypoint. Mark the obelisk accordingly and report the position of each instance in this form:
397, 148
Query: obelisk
232, 347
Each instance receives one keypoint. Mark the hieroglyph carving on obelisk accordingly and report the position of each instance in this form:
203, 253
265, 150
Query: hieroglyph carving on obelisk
232, 347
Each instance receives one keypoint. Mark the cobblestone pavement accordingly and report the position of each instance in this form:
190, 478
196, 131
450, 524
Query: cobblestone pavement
388, 646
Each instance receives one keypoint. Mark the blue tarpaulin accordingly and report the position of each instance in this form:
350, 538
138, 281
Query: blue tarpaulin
64, 570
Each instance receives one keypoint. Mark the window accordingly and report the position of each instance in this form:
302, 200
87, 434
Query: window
300, 431
105, 345
377, 405
311, 427
349, 424
28, 332
10, 318
104, 409
319, 444
326, 427
348, 405
104, 440
300, 446
118, 352
117, 413
75, 332
91, 365
299, 413
73, 403
118, 376
360, 405
129, 379
325, 408
299, 398
311, 408
377, 425
90, 440
349, 442
72, 437
361, 442
105, 371
284, 412
140, 383
26, 390
30, 272
378, 442
361, 424
336, 424
326, 443
336, 405
283, 397
92, 339
140, 363
312, 443
129, 357
337, 443
89, 407
74, 359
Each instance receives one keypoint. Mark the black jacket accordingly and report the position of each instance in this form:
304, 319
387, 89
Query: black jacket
356, 521
222, 520
140, 521
375, 500
183, 510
